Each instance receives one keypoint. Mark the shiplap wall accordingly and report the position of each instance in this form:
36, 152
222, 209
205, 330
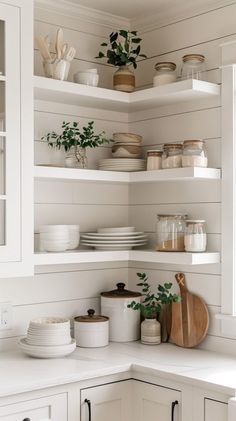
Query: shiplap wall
199, 34
70, 290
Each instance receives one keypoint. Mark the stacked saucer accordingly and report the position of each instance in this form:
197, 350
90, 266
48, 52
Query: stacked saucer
120, 238
122, 164
48, 337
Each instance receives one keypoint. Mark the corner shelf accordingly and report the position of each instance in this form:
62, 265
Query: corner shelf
87, 96
175, 174
93, 256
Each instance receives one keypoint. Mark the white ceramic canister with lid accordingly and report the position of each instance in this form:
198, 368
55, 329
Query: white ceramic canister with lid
124, 322
91, 330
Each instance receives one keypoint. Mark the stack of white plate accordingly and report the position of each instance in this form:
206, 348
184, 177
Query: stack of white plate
121, 238
122, 164
48, 337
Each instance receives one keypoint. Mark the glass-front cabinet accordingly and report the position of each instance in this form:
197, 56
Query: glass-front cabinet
15, 140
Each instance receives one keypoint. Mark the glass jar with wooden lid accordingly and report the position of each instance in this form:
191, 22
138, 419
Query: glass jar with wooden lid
194, 154
172, 155
165, 73
193, 67
170, 232
154, 159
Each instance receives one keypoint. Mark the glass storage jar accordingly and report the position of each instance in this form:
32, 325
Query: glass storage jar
195, 239
170, 232
165, 73
154, 158
172, 155
194, 154
193, 67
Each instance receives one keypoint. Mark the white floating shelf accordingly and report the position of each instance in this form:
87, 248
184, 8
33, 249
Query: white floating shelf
93, 256
87, 96
175, 174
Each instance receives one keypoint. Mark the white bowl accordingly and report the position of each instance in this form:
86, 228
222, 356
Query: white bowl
57, 245
86, 78
53, 228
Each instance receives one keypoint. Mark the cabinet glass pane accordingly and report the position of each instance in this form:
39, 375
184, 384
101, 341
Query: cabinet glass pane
2, 166
2, 47
2, 106
2, 222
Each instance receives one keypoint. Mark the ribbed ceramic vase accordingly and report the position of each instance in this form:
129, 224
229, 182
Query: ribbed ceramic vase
150, 332
124, 79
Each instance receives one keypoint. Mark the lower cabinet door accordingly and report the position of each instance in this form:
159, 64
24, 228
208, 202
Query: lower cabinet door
155, 403
109, 402
215, 410
50, 408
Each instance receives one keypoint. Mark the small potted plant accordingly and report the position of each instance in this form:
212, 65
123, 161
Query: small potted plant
123, 50
150, 307
75, 141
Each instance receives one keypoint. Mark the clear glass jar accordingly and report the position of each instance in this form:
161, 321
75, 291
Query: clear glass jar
170, 232
154, 158
76, 157
172, 155
193, 67
195, 239
165, 73
194, 154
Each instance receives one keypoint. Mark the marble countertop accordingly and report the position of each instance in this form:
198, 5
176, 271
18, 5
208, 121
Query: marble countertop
20, 373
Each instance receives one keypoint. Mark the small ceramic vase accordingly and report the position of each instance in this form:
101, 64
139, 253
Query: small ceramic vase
124, 79
150, 332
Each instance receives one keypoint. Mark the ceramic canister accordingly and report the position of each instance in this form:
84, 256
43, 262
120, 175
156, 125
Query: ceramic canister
91, 330
124, 322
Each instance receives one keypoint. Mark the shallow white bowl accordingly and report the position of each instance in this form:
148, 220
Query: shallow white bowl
53, 228
86, 78
47, 351
55, 246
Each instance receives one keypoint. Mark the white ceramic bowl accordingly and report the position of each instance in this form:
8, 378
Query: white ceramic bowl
53, 228
74, 236
89, 78
55, 246
50, 323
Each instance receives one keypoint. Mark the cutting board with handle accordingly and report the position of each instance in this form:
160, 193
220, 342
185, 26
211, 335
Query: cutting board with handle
190, 318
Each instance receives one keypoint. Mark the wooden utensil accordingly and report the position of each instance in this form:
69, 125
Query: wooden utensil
59, 42
190, 318
42, 46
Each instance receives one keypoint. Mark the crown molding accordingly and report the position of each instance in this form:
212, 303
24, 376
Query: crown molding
82, 13
179, 11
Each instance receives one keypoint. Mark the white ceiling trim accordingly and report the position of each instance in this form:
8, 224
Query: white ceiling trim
82, 13
182, 10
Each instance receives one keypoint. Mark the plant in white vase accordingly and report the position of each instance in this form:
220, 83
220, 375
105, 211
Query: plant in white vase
123, 50
150, 307
75, 142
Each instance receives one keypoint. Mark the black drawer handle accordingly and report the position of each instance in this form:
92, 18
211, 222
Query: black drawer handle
173, 405
87, 401
26, 419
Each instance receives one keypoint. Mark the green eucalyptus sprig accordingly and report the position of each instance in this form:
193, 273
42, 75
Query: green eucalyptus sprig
72, 135
152, 303
123, 48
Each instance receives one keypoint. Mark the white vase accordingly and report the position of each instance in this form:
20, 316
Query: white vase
76, 158
150, 332
124, 79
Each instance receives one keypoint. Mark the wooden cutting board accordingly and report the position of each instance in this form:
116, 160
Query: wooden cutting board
190, 318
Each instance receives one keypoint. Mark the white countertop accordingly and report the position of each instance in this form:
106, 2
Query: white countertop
20, 373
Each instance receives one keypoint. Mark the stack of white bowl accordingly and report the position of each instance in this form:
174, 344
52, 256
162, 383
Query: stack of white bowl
59, 237
48, 337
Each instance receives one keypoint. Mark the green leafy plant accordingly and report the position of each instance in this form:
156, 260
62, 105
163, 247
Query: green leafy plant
72, 135
123, 49
152, 303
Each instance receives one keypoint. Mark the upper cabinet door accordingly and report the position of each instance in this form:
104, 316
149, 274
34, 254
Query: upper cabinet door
15, 149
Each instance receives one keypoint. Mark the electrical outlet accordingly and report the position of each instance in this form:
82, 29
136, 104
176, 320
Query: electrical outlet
6, 316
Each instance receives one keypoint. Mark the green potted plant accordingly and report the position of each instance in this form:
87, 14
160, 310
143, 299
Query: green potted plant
75, 141
150, 308
123, 50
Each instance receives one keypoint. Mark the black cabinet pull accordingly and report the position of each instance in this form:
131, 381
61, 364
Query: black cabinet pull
26, 419
87, 401
173, 405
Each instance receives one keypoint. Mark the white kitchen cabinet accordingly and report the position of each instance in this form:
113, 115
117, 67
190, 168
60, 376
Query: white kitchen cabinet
51, 408
107, 402
16, 121
215, 410
155, 403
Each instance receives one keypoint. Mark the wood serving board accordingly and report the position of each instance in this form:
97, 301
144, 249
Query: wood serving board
190, 318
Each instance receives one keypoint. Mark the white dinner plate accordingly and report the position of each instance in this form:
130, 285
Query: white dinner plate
55, 351
114, 234
114, 238
114, 247
97, 241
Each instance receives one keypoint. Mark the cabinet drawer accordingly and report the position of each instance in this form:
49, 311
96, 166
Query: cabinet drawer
50, 408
